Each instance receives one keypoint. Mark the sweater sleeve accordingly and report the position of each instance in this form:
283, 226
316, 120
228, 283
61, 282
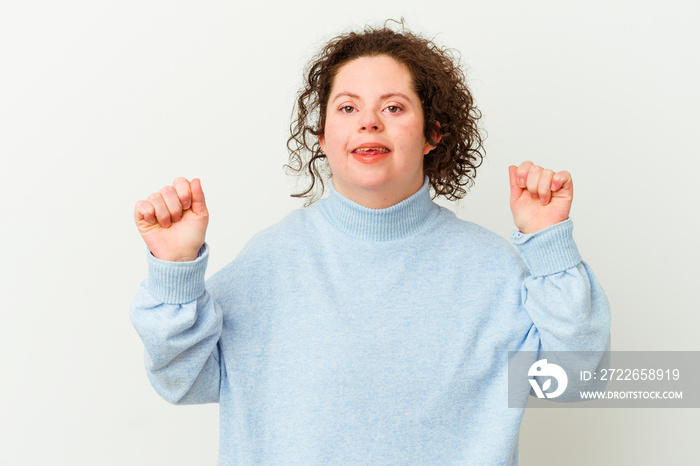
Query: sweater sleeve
561, 294
180, 325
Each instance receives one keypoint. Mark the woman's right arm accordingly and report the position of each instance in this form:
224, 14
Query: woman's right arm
176, 318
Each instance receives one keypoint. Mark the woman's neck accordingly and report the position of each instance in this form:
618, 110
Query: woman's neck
380, 197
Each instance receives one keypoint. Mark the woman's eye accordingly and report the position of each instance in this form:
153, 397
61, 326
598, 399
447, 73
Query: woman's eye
393, 108
347, 109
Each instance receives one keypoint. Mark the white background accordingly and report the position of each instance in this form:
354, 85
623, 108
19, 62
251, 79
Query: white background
104, 102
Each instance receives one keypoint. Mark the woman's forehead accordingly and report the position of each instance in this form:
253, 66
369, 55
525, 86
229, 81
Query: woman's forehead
373, 77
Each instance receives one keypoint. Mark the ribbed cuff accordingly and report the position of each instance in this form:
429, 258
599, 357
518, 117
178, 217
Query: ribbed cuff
177, 282
548, 251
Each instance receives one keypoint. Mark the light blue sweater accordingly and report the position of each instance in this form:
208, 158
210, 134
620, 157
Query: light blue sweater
346, 335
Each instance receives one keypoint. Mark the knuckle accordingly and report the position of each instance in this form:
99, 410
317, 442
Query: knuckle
160, 212
163, 216
183, 191
167, 190
143, 206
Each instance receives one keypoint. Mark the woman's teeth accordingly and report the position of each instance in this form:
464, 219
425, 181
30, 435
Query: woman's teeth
371, 149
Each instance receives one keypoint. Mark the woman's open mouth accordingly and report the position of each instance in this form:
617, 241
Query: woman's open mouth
370, 154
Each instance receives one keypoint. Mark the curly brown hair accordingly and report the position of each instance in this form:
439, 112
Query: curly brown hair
439, 82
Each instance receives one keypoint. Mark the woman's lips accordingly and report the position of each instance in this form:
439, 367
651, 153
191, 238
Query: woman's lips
370, 153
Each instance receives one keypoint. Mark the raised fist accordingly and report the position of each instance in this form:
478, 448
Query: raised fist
173, 221
539, 197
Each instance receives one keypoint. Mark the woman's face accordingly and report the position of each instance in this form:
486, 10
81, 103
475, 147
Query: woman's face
373, 135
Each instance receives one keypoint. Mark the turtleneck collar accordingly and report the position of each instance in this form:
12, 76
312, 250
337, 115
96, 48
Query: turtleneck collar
398, 221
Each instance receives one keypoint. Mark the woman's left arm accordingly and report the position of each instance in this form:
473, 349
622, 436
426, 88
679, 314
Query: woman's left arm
565, 301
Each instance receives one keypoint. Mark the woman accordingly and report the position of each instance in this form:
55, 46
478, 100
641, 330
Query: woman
373, 326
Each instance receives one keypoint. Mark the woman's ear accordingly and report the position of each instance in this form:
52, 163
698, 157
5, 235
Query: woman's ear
436, 131
322, 143
435, 135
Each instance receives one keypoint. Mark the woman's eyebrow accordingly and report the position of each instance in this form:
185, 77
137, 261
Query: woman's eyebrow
345, 94
394, 94
381, 97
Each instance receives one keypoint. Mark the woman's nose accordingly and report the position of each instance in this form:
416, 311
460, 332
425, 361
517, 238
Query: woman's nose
370, 121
